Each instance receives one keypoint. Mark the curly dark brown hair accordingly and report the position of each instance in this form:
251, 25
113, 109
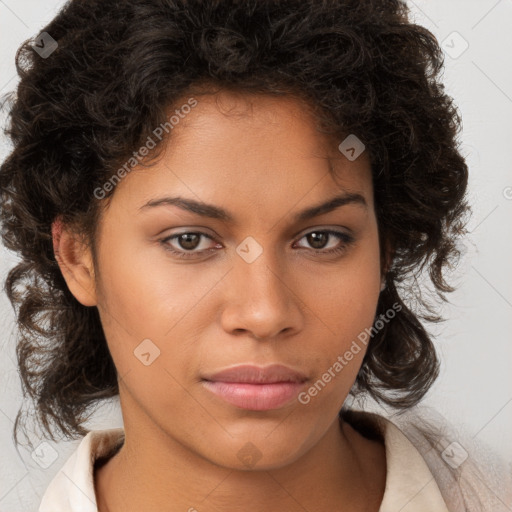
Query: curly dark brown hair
362, 66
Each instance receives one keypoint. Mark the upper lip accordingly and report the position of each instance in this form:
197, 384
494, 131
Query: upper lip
251, 374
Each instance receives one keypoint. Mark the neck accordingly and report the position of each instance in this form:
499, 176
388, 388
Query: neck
162, 474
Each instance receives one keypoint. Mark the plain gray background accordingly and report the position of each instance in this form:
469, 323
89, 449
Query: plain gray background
474, 391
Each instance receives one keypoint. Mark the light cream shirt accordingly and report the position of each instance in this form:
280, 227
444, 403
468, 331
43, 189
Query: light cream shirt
410, 485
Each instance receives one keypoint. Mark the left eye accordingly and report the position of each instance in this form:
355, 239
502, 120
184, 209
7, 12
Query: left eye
320, 236
190, 241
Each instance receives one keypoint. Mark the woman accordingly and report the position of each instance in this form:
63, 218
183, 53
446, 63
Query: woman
219, 208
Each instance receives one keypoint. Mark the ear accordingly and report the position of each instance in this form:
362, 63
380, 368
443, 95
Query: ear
387, 256
75, 261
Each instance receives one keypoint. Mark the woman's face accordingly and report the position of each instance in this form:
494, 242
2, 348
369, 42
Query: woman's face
262, 287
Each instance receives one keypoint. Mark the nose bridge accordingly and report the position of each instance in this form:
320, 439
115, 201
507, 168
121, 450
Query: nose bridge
258, 270
263, 302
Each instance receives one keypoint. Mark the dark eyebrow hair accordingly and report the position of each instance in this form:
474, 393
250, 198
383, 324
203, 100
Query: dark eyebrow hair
216, 212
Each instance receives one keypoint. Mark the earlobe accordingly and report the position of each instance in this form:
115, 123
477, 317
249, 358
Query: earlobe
75, 262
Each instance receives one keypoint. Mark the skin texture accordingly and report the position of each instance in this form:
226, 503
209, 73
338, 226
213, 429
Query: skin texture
261, 159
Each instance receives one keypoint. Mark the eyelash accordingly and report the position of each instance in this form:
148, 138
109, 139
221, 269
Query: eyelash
347, 240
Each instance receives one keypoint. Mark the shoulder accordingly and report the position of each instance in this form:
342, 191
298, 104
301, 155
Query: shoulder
72, 488
469, 475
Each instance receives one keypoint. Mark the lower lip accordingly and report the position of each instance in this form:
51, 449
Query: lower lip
256, 397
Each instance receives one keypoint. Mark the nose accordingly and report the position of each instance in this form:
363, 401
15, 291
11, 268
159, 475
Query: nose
262, 299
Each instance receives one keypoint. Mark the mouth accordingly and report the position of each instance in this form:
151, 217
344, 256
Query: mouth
256, 388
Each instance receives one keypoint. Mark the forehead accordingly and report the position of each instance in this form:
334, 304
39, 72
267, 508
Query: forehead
253, 121
248, 151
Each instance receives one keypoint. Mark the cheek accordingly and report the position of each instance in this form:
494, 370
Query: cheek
147, 293
347, 310
348, 298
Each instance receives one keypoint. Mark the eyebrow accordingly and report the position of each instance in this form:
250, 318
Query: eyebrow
216, 212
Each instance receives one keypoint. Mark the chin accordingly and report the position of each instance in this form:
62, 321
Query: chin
257, 453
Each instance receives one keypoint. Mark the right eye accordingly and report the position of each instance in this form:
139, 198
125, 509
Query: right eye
188, 241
